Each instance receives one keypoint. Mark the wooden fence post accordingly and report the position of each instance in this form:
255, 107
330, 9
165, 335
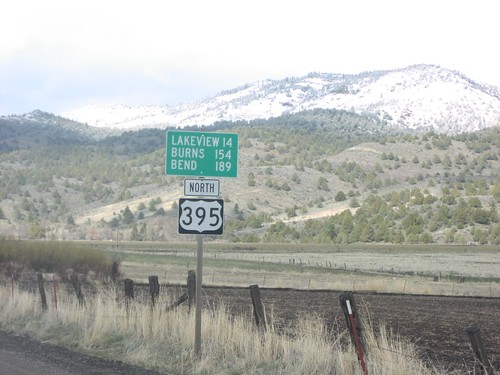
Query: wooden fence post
154, 288
54, 286
115, 271
180, 300
129, 289
189, 296
191, 288
476, 341
258, 308
129, 296
77, 286
41, 288
354, 325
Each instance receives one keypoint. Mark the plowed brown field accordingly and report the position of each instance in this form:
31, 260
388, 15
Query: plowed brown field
437, 325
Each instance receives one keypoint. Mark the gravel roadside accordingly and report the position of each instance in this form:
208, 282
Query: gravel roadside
21, 355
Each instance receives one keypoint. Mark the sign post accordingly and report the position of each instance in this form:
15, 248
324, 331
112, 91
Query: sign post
199, 275
201, 154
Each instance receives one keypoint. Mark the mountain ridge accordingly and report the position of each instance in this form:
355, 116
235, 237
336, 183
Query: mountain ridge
418, 97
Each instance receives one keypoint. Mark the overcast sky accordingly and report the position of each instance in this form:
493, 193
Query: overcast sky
61, 55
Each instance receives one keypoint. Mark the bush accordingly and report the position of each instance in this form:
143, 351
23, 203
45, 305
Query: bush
340, 196
56, 257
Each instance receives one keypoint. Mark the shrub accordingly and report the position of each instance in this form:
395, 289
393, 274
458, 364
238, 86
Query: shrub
340, 196
56, 257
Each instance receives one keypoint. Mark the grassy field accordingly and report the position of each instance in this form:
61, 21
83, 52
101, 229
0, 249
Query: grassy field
413, 269
150, 337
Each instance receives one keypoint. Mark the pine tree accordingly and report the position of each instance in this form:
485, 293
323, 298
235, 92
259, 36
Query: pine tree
323, 184
128, 216
367, 234
36, 231
340, 196
134, 234
251, 179
143, 232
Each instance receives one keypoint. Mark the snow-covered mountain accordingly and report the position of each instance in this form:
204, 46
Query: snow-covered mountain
415, 97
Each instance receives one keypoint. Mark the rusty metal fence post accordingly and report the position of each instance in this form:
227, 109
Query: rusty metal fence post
354, 325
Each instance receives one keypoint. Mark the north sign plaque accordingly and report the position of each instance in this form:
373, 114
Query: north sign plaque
201, 187
202, 154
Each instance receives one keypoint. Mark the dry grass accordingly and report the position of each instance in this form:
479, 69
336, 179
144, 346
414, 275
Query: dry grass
405, 269
153, 338
311, 279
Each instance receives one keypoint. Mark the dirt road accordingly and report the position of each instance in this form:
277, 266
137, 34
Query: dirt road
20, 355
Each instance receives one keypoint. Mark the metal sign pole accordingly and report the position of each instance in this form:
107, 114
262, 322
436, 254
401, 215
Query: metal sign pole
201, 154
199, 275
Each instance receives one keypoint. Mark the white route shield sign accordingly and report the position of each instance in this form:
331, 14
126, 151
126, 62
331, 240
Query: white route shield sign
201, 216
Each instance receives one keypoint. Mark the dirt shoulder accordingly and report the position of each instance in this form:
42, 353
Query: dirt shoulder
21, 355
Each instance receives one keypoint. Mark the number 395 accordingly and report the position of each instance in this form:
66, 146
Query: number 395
200, 215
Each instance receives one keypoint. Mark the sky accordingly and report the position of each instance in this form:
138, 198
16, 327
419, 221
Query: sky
59, 55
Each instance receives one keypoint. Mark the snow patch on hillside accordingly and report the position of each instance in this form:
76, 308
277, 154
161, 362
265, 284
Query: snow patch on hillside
416, 97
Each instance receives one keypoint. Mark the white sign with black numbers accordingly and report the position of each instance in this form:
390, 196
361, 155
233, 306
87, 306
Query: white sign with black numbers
201, 216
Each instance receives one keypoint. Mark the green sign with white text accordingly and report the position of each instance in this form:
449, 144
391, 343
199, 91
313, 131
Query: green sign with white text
202, 154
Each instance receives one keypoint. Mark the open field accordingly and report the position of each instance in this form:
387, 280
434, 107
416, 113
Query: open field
435, 324
429, 270
416, 275
424, 295
135, 332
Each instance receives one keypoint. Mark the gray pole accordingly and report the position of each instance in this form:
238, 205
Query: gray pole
199, 273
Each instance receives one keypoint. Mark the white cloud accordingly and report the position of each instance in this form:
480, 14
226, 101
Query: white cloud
172, 51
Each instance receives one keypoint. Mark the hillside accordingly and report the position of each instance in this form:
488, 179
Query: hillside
418, 97
38, 129
319, 176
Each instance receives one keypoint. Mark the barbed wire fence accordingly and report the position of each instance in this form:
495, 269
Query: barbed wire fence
479, 364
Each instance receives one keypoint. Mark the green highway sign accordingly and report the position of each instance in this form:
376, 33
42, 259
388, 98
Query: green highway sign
202, 154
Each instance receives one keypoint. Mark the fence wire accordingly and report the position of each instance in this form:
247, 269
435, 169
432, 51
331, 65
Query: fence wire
286, 329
